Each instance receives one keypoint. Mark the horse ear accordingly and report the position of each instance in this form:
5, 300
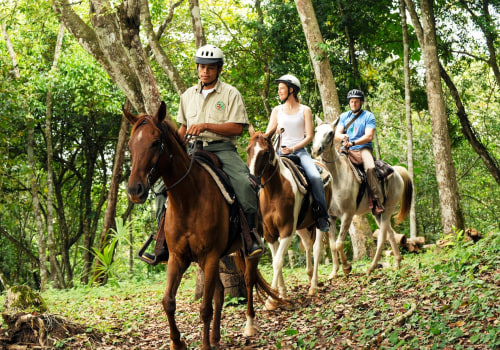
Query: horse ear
335, 123
130, 117
270, 134
162, 112
251, 130
318, 120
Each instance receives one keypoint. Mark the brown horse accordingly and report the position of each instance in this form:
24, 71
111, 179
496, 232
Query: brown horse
280, 202
196, 222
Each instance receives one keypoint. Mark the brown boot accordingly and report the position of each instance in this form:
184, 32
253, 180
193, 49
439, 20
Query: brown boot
373, 185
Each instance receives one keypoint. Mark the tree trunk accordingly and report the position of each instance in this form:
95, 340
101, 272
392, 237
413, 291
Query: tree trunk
42, 248
12, 53
451, 212
352, 50
489, 161
123, 58
319, 59
194, 10
57, 275
409, 124
361, 238
110, 213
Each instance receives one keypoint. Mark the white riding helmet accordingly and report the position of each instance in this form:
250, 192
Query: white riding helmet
289, 80
209, 54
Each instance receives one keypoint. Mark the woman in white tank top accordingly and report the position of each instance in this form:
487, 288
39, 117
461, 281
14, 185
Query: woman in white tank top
294, 121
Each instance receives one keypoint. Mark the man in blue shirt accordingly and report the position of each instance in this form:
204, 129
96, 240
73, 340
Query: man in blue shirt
355, 130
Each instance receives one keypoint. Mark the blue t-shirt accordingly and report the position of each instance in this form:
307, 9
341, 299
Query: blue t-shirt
357, 129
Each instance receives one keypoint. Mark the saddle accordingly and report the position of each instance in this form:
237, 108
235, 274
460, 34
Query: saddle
382, 169
212, 164
292, 162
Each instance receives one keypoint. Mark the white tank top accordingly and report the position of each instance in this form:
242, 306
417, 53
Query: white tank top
294, 126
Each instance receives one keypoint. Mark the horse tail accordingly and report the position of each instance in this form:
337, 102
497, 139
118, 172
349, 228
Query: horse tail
407, 195
261, 285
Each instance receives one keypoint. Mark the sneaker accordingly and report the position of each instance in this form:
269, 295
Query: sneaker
323, 224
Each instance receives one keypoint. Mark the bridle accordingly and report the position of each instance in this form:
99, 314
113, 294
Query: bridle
330, 141
266, 166
163, 137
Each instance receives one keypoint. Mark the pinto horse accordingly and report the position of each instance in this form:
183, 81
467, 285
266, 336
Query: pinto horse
398, 189
280, 204
196, 222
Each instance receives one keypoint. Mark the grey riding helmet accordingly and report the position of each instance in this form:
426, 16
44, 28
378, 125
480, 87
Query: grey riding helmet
355, 93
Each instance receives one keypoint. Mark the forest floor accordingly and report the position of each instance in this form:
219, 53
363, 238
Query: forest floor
440, 299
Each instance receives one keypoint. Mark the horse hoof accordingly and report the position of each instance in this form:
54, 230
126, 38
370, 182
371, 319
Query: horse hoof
312, 291
250, 331
271, 305
178, 346
347, 270
332, 275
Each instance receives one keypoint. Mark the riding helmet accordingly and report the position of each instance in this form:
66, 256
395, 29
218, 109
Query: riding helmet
209, 54
289, 80
355, 93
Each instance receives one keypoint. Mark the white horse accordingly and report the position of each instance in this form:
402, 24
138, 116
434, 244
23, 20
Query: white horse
398, 188
280, 203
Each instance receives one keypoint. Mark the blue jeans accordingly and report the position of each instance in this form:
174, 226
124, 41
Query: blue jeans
314, 178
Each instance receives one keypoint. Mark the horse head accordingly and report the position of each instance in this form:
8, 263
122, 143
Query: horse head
324, 135
146, 144
260, 152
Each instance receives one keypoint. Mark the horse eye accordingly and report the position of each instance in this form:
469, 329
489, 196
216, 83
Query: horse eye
156, 144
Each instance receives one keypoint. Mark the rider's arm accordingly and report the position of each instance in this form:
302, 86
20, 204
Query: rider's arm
273, 122
225, 129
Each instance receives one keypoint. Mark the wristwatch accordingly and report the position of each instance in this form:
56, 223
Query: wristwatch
353, 143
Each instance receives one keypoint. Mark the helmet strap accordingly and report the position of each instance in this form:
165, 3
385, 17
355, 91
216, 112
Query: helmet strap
287, 97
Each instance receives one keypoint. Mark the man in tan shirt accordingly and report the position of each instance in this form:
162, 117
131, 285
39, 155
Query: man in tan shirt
215, 112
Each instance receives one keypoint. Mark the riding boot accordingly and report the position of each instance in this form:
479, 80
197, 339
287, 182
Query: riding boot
373, 185
321, 217
250, 236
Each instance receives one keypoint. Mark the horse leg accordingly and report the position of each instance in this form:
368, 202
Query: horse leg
250, 280
344, 228
175, 271
211, 273
391, 236
332, 234
278, 260
383, 223
305, 237
317, 256
218, 303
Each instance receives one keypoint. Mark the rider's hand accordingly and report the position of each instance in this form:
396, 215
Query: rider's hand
196, 129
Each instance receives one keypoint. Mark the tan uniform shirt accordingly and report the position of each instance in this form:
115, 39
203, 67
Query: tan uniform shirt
222, 105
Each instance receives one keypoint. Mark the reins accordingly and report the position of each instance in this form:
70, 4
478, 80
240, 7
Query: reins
162, 148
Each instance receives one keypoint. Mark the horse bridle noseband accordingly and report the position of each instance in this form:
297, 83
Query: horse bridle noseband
153, 169
329, 142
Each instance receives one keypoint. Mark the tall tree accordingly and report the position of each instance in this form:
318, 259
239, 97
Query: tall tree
55, 268
451, 211
114, 41
409, 124
319, 59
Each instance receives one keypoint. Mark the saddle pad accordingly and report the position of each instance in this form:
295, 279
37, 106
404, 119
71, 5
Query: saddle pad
299, 178
225, 188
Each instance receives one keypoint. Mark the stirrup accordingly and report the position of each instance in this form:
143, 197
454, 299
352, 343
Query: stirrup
150, 258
